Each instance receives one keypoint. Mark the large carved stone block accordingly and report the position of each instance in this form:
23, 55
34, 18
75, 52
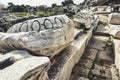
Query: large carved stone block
114, 18
20, 65
84, 20
43, 36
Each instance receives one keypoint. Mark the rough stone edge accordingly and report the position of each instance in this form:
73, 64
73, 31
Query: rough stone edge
79, 46
22, 75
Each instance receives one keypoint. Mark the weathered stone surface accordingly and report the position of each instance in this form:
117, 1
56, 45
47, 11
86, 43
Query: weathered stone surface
85, 63
117, 53
101, 71
26, 68
90, 53
11, 57
99, 2
17, 54
96, 70
70, 57
114, 18
50, 40
74, 77
8, 17
81, 70
84, 20
102, 29
97, 44
114, 73
104, 55
82, 78
107, 73
40, 24
115, 31
114, 21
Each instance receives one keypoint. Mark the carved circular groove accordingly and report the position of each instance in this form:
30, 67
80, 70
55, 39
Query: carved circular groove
24, 27
58, 22
63, 20
48, 24
36, 26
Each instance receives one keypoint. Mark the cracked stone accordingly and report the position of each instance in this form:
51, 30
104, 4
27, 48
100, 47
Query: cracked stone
82, 78
81, 70
97, 44
86, 63
74, 77
102, 71
107, 73
91, 54
97, 70
104, 55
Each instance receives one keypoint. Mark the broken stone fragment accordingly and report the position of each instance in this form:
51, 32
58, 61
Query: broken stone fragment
84, 20
114, 18
21, 65
13, 56
115, 31
82, 23
29, 68
43, 36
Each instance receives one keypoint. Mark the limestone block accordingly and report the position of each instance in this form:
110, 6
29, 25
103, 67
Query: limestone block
44, 36
39, 24
11, 57
116, 43
70, 56
114, 18
115, 31
84, 20
27, 68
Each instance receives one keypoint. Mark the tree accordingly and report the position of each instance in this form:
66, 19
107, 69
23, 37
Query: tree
10, 6
54, 5
67, 2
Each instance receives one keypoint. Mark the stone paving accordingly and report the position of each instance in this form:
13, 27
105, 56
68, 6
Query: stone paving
96, 61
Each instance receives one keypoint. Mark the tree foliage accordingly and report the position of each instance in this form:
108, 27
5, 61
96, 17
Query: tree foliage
67, 2
18, 8
54, 5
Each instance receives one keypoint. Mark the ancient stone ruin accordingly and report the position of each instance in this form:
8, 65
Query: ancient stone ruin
60, 48
37, 37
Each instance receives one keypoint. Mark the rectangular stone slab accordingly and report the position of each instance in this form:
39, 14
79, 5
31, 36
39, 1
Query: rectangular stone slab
114, 18
31, 68
115, 31
116, 43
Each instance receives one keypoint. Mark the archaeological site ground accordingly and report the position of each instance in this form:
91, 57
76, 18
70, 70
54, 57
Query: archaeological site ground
62, 42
